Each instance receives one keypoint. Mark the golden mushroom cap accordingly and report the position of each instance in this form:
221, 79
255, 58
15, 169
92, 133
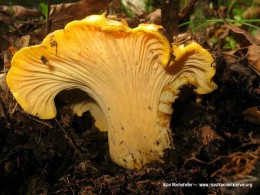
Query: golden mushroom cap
126, 74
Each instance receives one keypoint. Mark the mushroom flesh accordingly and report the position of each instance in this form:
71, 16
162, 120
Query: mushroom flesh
132, 77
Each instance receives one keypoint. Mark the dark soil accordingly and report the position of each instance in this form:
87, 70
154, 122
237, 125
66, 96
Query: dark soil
215, 142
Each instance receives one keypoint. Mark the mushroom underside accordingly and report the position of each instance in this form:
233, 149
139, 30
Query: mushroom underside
127, 75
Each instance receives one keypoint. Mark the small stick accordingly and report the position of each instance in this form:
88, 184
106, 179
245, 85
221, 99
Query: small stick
14, 109
68, 137
48, 17
187, 9
46, 124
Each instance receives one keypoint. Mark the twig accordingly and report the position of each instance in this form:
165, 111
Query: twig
185, 13
46, 124
187, 10
13, 21
48, 17
12, 151
17, 29
68, 137
14, 109
254, 69
44, 169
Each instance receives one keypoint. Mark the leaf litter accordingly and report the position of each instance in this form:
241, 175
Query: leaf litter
216, 140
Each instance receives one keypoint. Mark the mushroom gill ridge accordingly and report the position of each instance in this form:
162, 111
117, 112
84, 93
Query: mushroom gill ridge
125, 71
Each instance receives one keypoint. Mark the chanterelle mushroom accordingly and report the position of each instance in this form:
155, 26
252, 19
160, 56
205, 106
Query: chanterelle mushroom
129, 74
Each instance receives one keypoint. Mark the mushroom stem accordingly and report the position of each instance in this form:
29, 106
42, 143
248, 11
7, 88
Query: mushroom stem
127, 74
137, 132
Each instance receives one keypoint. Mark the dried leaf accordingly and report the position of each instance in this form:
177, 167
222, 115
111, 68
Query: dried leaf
63, 13
252, 13
16, 44
249, 37
155, 17
3, 86
253, 40
12, 50
19, 11
252, 115
253, 56
18, 17
208, 135
6, 19
7, 58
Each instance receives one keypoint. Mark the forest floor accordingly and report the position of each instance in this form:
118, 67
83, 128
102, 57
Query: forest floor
216, 140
